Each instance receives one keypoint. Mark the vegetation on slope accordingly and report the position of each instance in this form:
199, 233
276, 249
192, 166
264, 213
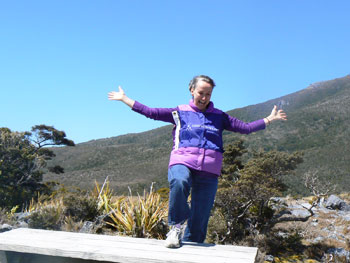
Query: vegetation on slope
318, 124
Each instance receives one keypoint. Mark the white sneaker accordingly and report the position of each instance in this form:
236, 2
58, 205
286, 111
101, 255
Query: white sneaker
173, 238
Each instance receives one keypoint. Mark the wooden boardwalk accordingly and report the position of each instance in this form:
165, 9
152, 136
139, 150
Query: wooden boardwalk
91, 248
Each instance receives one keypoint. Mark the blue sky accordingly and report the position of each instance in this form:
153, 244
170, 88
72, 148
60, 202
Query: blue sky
59, 59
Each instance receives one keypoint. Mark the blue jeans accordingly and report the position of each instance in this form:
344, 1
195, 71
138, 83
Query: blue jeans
203, 189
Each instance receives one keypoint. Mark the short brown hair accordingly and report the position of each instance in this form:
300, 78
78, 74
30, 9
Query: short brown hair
194, 81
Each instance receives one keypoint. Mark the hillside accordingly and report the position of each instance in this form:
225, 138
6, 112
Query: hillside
318, 125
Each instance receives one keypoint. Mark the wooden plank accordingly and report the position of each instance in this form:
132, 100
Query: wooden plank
118, 248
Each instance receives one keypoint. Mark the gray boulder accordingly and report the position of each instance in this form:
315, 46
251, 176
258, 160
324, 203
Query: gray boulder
269, 258
300, 213
5, 227
346, 208
22, 216
87, 227
334, 202
277, 203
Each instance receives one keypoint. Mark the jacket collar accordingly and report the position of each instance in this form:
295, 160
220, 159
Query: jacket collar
210, 106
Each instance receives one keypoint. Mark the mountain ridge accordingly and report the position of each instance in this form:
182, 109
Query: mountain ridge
318, 125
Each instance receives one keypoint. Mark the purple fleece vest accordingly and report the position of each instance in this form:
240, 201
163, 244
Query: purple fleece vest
198, 139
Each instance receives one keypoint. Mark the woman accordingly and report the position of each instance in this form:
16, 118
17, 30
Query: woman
196, 157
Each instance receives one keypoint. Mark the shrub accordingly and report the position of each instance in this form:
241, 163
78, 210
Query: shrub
49, 218
7, 216
276, 242
80, 207
62, 210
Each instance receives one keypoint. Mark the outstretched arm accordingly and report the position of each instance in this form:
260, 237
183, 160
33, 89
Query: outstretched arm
275, 115
236, 125
120, 95
161, 114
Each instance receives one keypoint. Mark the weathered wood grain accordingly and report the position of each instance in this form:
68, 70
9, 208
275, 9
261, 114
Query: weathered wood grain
118, 249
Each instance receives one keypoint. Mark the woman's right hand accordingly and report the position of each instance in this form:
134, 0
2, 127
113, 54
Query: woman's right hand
114, 95
120, 96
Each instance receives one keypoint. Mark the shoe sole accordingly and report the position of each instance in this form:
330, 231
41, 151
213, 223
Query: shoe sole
172, 246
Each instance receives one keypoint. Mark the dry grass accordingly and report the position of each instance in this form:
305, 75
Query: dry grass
345, 197
346, 230
70, 225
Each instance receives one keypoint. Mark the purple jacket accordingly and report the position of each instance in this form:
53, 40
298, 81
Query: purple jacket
197, 135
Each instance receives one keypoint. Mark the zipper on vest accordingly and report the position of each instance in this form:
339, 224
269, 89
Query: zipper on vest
177, 129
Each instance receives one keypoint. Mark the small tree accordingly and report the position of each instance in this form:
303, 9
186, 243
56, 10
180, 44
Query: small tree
232, 164
22, 157
261, 179
318, 187
242, 210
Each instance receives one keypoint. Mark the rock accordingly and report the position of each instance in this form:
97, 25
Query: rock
87, 227
5, 227
324, 210
318, 240
306, 205
334, 202
283, 234
301, 206
277, 203
321, 202
23, 216
346, 217
300, 212
269, 258
296, 206
346, 208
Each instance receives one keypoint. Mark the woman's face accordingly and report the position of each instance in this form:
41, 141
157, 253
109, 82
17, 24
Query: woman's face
201, 94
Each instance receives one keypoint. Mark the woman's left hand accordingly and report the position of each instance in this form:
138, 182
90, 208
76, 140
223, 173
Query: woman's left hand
277, 115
